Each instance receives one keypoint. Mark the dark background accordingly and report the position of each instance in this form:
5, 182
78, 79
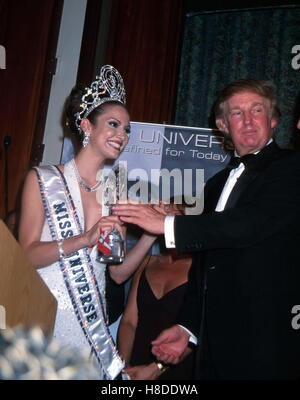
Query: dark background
142, 38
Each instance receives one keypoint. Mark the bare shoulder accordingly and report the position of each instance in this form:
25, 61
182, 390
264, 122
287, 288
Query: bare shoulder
143, 265
31, 179
31, 191
32, 211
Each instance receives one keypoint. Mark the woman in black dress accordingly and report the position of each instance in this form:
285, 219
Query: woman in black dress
155, 297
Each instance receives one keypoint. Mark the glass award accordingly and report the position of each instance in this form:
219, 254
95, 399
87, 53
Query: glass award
111, 246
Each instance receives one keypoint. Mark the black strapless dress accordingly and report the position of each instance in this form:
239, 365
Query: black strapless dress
155, 315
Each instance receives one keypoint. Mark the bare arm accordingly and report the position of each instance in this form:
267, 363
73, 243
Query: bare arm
128, 324
144, 372
31, 224
133, 259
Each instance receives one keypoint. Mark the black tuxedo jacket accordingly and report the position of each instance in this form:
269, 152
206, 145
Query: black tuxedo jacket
245, 278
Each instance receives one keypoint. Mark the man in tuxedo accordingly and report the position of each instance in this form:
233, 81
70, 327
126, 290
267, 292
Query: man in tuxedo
245, 278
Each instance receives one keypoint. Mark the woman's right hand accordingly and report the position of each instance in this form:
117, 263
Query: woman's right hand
105, 224
143, 372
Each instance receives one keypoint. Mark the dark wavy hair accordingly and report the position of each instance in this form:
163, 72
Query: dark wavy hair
72, 106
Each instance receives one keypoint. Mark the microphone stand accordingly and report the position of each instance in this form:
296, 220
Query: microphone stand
6, 144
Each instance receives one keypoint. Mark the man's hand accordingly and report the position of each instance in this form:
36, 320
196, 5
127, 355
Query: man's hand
171, 344
150, 218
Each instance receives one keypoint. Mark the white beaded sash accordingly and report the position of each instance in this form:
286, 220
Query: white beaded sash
78, 270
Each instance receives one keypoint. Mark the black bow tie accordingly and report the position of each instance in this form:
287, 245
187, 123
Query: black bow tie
235, 161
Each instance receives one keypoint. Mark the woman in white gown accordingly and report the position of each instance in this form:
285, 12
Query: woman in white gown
62, 217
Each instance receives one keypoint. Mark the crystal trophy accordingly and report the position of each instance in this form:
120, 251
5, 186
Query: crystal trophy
111, 246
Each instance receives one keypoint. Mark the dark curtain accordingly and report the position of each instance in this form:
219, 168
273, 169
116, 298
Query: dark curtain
144, 45
222, 46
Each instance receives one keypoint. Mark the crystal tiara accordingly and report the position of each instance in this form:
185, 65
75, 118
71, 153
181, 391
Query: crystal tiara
108, 86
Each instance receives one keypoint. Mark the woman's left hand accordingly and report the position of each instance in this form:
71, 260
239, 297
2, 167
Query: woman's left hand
107, 224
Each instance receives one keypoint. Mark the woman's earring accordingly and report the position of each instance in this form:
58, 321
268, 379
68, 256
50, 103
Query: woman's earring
86, 139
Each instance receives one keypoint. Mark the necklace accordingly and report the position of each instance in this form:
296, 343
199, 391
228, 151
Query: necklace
81, 181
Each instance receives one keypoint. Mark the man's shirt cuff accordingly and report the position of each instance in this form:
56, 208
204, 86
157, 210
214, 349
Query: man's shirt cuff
169, 231
192, 338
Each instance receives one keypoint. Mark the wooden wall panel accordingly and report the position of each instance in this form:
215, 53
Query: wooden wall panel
89, 42
144, 45
25, 31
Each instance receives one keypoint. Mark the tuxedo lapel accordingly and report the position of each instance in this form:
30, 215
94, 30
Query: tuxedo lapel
257, 165
242, 183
